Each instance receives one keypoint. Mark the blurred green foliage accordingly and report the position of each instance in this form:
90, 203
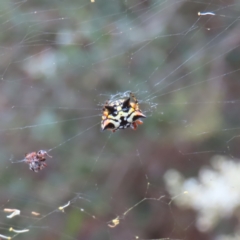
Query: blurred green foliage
61, 60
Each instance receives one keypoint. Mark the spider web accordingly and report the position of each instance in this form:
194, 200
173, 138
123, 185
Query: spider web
176, 177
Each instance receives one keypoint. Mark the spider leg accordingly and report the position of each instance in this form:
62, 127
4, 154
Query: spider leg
134, 125
134, 98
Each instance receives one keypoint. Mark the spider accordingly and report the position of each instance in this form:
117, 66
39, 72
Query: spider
121, 113
36, 160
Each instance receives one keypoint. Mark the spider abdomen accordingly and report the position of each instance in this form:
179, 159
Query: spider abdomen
121, 114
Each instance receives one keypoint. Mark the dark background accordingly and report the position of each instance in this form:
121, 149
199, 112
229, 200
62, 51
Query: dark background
62, 60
